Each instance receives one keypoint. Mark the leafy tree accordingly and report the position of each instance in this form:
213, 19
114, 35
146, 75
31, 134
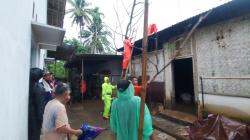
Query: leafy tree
58, 69
80, 13
95, 36
79, 47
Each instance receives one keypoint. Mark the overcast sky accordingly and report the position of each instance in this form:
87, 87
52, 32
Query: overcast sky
162, 12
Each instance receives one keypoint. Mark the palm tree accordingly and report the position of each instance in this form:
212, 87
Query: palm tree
96, 35
80, 13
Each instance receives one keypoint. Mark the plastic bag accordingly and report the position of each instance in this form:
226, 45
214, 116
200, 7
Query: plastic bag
89, 132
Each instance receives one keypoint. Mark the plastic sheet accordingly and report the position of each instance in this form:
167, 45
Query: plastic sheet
89, 132
217, 127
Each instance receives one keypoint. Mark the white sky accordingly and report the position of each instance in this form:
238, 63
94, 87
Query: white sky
162, 12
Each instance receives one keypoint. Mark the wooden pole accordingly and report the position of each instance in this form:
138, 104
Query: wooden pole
55, 68
82, 81
144, 70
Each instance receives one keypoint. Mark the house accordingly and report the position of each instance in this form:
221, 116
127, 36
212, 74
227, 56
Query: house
218, 52
94, 67
28, 29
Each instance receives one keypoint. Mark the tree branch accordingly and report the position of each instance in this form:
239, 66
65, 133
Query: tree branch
138, 12
139, 3
131, 18
137, 20
183, 43
126, 9
118, 19
115, 31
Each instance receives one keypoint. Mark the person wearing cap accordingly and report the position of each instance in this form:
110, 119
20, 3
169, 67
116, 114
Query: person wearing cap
137, 87
125, 112
47, 79
107, 90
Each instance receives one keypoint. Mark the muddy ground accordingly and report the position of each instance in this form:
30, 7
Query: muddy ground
90, 112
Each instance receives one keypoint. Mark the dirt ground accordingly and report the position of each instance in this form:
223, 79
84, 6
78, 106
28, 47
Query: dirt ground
90, 112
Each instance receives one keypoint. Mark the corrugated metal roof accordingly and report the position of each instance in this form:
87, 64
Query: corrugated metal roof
91, 59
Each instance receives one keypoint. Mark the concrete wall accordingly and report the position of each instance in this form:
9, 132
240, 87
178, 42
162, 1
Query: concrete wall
170, 48
15, 46
223, 50
219, 50
113, 66
39, 14
154, 57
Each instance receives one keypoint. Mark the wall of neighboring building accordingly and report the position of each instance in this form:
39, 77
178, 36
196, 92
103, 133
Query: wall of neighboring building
156, 89
219, 50
114, 66
170, 48
15, 55
39, 14
15, 46
155, 58
163, 57
223, 50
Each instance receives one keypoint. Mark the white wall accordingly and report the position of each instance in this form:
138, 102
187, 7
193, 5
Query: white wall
223, 50
151, 69
15, 46
40, 15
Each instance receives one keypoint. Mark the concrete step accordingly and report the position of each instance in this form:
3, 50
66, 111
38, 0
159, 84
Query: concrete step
173, 129
163, 136
178, 117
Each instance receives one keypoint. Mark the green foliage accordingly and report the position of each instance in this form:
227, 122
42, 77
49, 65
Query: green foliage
79, 47
58, 69
79, 12
95, 36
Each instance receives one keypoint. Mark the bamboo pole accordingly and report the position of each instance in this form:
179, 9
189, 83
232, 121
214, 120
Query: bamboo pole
240, 78
144, 70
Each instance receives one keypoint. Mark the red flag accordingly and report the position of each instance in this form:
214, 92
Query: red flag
126, 53
152, 29
83, 87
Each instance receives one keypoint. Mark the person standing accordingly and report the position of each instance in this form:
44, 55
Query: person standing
36, 104
125, 112
55, 120
107, 90
52, 84
137, 88
46, 82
